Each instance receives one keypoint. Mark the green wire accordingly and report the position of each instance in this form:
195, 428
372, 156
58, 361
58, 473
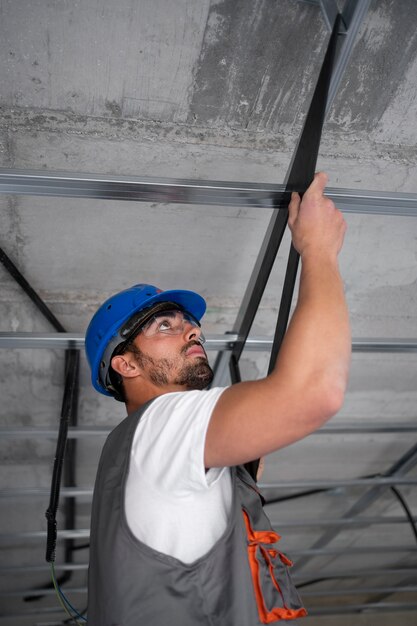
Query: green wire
58, 593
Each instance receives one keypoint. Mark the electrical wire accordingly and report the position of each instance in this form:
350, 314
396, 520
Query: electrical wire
68, 621
406, 508
294, 496
64, 602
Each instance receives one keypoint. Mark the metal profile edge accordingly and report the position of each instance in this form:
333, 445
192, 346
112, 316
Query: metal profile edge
213, 342
353, 427
383, 481
187, 191
308, 594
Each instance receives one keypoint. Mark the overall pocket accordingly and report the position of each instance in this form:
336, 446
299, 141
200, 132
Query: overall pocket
275, 595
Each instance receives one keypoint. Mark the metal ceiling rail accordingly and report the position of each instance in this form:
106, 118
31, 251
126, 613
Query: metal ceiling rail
353, 15
9, 538
401, 467
298, 178
45, 611
384, 345
353, 550
69, 492
41, 492
333, 428
39, 433
354, 428
213, 342
336, 484
348, 522
41, 592
307, 594
37, 612
313, 611
330, 11
81, 533
362, 608
19, 569
357, 573
359, 591
186, 191
84, 533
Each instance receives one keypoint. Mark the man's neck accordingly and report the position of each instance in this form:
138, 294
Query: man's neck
137, 397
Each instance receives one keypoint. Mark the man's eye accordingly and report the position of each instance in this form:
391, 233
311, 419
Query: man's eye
164, 325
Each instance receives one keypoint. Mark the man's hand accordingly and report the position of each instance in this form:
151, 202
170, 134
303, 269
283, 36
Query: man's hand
316, 225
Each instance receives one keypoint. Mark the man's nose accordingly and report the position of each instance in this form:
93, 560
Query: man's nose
192, 332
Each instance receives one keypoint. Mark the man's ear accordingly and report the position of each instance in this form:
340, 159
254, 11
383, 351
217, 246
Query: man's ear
125, 365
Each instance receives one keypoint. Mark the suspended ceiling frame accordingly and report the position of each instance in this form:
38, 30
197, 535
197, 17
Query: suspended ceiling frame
57, 184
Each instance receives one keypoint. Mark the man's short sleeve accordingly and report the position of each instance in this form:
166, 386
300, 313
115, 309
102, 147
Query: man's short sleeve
168, 447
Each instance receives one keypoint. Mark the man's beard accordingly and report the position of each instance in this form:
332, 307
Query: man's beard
196, 374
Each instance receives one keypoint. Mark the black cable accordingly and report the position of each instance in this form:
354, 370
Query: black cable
68, 403
406, 508
294, 496
316, 580
61, 463
67, 461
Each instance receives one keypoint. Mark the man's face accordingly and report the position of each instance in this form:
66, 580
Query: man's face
169, 352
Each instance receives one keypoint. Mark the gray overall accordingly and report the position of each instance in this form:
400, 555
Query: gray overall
242, 581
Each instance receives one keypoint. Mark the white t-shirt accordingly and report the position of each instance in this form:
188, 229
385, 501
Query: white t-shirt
172, 504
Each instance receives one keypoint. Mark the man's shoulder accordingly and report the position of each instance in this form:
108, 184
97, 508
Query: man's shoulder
183, 401
175, 415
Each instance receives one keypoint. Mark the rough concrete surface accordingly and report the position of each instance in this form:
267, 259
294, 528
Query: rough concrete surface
208, 90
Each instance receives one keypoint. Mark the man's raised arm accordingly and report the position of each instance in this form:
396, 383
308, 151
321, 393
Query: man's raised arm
308, 383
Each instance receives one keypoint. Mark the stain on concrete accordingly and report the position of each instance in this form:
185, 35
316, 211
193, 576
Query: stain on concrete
386, 46
114, 108
252, 71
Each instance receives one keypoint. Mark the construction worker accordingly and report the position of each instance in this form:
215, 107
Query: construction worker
178, 533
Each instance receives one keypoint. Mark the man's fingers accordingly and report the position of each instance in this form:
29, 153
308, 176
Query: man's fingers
293, 207
318, 185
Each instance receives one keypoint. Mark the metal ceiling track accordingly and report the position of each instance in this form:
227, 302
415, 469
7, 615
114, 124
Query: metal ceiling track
352, 609
357, 573
312, 594
313, 611
358, 551
401, 467
196, 192
352, 427
8, 538
327, 485
34, 340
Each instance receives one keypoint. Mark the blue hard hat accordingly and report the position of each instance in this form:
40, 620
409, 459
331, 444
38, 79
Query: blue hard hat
103, 332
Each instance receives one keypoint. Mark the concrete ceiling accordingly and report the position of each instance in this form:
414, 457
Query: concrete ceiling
211, 90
